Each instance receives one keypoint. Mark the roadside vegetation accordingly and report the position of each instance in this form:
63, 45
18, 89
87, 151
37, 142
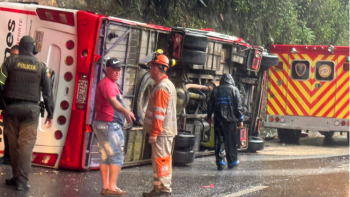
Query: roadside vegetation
263, 22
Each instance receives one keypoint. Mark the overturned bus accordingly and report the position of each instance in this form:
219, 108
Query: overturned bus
75, 45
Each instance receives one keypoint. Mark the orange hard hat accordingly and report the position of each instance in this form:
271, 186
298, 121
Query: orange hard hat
159, 58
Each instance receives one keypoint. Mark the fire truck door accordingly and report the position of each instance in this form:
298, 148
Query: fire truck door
299, 85
277, 87
342, 92
323, 85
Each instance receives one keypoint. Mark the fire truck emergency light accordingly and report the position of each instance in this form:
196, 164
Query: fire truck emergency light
346, 66
331, 48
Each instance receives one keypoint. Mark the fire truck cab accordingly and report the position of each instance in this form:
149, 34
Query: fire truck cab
308, 90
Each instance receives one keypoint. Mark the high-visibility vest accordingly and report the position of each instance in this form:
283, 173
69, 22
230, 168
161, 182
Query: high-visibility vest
169, 121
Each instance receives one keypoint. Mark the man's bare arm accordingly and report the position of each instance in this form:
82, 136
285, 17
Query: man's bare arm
129, 116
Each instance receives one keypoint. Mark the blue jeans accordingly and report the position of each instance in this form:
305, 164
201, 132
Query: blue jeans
110, 139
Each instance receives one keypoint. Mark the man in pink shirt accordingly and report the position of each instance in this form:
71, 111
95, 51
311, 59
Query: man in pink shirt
110, 116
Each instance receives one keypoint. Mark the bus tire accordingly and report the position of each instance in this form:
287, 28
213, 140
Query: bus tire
184, 141
255, 144
269, 60
142, 96
182, 157
193, 57
195, 42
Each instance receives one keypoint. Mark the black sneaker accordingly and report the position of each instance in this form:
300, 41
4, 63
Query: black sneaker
13, 182
221, 167
234, 164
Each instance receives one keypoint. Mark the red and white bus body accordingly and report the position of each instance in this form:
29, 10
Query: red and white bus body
76, 44
71, 43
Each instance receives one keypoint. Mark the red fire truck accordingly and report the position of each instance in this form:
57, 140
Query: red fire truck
76, 44
309, 90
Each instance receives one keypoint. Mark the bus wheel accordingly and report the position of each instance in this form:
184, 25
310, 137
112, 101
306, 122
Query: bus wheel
196, 42
194, 57
184, 141
255, 144
183, 157
142, 96
269, 60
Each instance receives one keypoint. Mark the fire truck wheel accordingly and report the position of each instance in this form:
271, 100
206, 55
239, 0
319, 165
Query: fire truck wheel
193, 57
195, 42
328, 135
182, 157
269, 60
184, 141
295, 136
348, 136
142, 96
281, 135
289, 135
255, 144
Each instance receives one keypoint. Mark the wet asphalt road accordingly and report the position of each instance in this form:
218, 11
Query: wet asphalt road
312, 168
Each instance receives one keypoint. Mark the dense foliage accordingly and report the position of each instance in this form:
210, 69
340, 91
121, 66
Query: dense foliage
260, 22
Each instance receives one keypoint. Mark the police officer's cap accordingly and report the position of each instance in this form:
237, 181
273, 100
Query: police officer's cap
27, 39
114, 63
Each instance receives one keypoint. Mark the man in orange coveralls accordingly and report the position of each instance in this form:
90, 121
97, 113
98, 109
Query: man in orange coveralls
161, 125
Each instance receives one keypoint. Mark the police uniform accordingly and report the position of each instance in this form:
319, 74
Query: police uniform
22, 78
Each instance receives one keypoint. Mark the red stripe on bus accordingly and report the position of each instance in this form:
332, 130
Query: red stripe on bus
18, 11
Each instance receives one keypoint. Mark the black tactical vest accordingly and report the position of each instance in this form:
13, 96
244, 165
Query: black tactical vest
24, 79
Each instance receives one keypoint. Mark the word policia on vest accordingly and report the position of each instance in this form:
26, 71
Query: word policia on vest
24, 66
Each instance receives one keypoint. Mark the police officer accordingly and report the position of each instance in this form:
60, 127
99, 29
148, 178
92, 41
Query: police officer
6, 158
21, 80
